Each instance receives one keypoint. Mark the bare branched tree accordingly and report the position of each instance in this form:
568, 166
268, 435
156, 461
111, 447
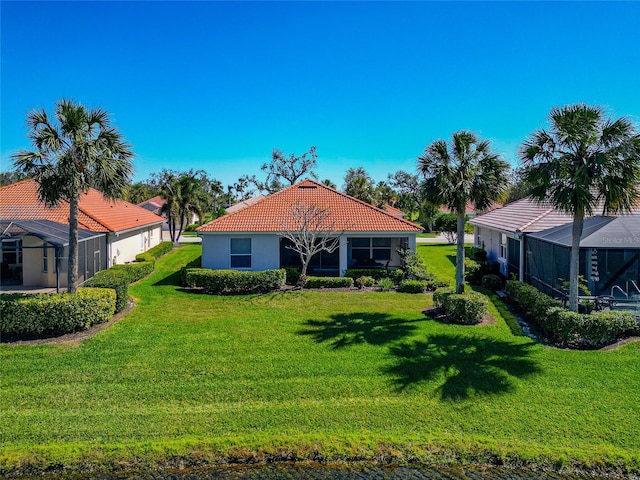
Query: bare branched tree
311, 230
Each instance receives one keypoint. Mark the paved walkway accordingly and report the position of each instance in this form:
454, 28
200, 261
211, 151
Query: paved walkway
468, 238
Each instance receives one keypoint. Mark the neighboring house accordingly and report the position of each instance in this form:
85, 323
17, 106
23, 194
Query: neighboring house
396, 212
244, 203
533, 241
155, 205
251, 238
470, 209
35, 240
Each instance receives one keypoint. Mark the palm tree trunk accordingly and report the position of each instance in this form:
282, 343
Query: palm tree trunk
574, 266
460, 254
72, 273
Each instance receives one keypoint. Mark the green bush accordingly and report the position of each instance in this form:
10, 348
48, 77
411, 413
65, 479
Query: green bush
472, 271
293, 275
55, 314
466, 309
440, 297
329, 282
362, 282
191, 227
413, 286
234, 282
376, 273
579, 330
155, 252
195, 263
386, 284
477, 254
135, 271
413, 265
529, 300
116, 279
492, 281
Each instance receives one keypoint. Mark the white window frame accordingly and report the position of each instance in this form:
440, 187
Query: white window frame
45, 258
503, 245
232, 255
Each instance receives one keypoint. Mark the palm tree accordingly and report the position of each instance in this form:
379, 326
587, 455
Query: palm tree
464, 170
583, 162
79, 150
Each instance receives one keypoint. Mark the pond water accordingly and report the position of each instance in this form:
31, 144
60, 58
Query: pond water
350, 472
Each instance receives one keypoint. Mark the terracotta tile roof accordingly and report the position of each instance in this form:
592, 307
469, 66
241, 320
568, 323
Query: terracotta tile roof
153, 204
244, 203
266, 214
396, 212
20, 201
524, 215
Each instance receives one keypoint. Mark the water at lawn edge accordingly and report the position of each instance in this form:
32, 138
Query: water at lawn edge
347, 472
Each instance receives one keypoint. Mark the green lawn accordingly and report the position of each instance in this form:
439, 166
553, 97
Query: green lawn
187, 377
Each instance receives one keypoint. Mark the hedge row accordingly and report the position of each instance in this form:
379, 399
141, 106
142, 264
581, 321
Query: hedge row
376, 273
114, 279
155, 252
55, 314
329, 282
595, 330
530, 301
234, 282
466, 309
135, 271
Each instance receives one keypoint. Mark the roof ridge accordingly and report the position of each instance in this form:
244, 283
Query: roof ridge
539, 217
18, 183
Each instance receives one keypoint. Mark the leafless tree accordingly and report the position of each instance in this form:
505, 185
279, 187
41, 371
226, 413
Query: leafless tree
311, 230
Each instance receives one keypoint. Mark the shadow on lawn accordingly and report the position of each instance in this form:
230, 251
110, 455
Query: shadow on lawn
356, 328
466, 366
172, 279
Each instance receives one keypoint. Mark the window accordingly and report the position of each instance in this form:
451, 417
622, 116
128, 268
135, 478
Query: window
45, 259
503, 245
366, 250
240, 253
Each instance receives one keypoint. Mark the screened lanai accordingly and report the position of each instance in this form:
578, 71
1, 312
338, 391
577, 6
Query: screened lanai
35, 253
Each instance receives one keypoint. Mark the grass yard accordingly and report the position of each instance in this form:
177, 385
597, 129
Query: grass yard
188, 378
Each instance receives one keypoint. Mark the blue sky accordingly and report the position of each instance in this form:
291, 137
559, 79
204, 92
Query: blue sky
217, 86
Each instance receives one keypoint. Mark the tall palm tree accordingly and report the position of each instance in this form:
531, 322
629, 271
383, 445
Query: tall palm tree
78, 150
582, 162
464, 170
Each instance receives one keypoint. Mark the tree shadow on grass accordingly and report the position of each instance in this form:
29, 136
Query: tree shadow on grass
467, 254
466, 366
356, 328
172, 279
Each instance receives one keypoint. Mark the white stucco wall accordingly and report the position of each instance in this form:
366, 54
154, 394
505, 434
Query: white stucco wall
32, 274
265, 251
125, 246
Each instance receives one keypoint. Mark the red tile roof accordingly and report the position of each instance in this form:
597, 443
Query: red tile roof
266, 215
396, 212
20, 201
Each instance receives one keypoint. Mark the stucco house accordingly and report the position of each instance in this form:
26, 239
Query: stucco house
251, 238
533, 241
34, 241
155, 205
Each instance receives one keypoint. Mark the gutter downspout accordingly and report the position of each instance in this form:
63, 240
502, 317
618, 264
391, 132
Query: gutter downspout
520, 237
57, 261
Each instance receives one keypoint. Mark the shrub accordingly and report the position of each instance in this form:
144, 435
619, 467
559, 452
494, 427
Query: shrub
55, 313
195, 263
234, 282
571, 329
472, 271
529, 300
376, 273
191, 227
329, 282
492, 281
477, 254
155, 252
413, 286
116, 279
362, 282
293, 275
440, 297
413, 265
135, 271
466, 309
386, 284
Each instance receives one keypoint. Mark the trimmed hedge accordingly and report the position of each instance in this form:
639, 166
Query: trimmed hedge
55, 314
329, 282
376, 273
234, 282
293, 275
115, 279
135, 271
413, 286
440, 297
467, 308
474, 270
193, 264
362, 282
529, 300
579, 330
492, 281
155, 252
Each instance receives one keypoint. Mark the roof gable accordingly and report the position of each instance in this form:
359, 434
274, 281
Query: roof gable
266, 215
20, 201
